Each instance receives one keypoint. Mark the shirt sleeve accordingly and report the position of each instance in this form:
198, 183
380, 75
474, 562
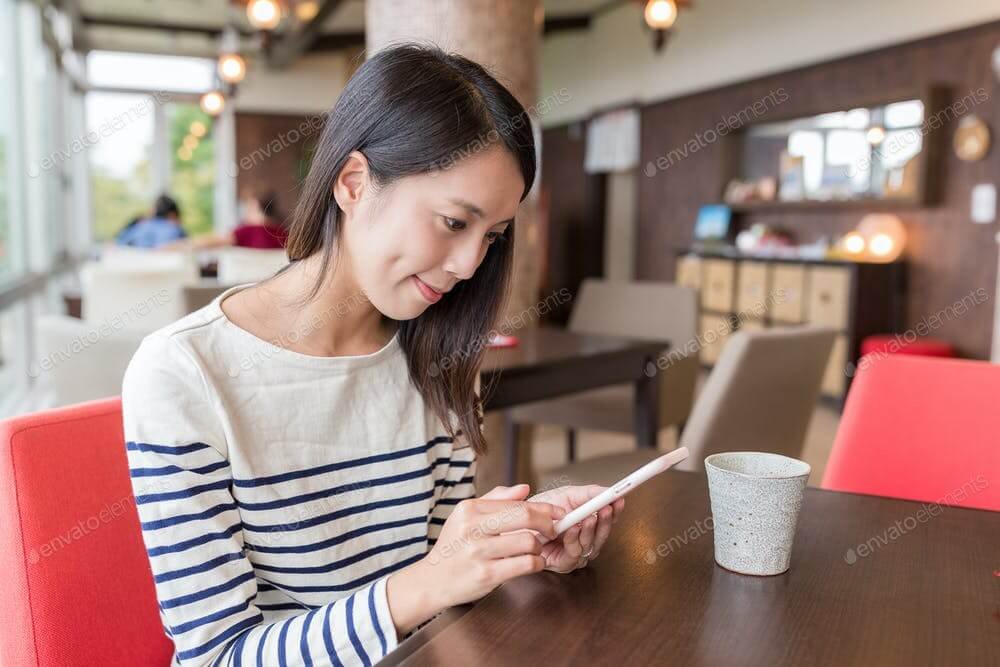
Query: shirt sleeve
205, 585
458, 483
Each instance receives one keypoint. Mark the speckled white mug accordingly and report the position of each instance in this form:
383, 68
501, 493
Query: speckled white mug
756, 497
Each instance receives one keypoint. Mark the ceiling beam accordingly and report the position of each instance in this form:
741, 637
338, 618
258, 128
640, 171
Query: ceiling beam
289, 47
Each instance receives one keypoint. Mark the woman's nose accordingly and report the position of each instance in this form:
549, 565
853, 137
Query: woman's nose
465, 258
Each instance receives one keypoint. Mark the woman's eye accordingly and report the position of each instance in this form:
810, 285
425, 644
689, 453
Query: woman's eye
453, 224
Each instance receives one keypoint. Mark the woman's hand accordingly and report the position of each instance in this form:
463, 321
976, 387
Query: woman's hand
581, 543
483, 543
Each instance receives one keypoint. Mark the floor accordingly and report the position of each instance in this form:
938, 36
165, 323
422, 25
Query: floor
549, 445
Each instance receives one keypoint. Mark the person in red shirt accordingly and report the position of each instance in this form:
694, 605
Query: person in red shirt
260, 227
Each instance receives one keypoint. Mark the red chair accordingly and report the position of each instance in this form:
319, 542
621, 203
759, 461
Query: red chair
78, 587
921, 428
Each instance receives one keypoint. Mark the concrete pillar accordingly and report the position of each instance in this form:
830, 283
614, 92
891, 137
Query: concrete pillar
504, 36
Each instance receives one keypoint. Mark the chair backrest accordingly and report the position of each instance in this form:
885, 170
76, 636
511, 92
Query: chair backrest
645, 310
127, 258
143, 299
198, 296
920, 428
83, 361
78, 586
760, 395
249, 265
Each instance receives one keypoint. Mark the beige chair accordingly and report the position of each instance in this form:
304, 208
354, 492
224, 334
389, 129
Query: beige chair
249, 265
143, 259
142, 298
759, 397
654, 311
83, 361
201, 294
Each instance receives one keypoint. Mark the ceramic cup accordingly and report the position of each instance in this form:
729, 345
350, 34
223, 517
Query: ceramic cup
756, 497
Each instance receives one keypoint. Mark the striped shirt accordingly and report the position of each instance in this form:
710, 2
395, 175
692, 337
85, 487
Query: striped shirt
277, 491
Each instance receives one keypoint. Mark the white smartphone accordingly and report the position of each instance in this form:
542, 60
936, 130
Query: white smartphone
613, 493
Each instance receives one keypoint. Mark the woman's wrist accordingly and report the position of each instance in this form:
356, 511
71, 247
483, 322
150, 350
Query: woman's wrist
412, 596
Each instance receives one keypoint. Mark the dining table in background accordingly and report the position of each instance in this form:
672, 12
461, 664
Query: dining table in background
549, 362
873, 581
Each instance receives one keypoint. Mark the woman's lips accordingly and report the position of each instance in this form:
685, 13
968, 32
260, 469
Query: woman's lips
426, 291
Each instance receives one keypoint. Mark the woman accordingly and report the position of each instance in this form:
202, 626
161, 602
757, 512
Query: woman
301, 454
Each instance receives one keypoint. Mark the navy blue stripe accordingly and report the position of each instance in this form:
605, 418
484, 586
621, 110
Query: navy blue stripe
437, 521
207, 592
284, 606
461, 464
189, 492
237, 653
169, 470
343, 562
184, 518
450, 501
339, 514
282, 636
344, 488
455, 482
351, 585
353, 634
375, 619
266, 587
218, 639
216, 616
196, 569
195, 541
333, 541
341, 465
260, 646
331, 650
304, 640
165, 449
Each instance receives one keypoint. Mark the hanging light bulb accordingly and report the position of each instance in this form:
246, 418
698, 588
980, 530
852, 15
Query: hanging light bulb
264, 14
660, 14
306, 11
232, 68
198, 129
213, 103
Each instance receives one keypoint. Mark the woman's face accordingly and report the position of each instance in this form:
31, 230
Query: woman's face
411, 242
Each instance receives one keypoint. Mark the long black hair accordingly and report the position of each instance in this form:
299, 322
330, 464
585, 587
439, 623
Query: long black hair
413, 110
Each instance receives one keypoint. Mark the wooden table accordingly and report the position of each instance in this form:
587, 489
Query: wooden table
924, 593
550, 362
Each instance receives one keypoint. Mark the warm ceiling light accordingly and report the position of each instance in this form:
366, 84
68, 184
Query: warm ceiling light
212, 103
232, 68
875, 135
264, 14
198, 129
184, 153
885, 235
306, 11
854, 243
661, 14
190, 142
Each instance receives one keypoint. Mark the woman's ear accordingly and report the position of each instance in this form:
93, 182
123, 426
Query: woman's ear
352, 181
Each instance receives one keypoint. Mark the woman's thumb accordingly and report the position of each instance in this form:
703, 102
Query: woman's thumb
516, 492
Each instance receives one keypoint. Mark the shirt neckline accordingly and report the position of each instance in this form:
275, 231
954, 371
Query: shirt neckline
270, 350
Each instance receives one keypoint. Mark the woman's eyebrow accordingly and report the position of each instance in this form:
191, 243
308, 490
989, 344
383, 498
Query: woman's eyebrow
474, 210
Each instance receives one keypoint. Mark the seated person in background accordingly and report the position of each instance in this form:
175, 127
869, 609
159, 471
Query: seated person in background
154, 232
259, 228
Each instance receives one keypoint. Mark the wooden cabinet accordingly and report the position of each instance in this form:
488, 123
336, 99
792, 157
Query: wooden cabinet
719, 282
829, 296
789, 288
855, 299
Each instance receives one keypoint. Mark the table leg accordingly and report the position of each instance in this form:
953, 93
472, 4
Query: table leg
647, 412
